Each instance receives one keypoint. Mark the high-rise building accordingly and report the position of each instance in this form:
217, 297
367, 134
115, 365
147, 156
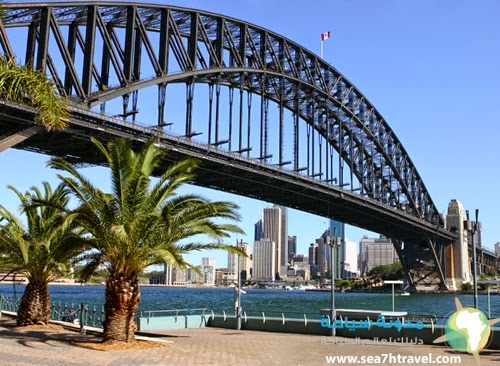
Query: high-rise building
264, 261
351, 259
259, 231
497, 248
180, 276
232, 262
324, 250
292, 247
283, 245
208, 271
272, 231
167, 273
362, 254
313, 258
337, 229
375, 252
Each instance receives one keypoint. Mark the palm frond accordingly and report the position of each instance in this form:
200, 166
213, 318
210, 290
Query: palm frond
23, 84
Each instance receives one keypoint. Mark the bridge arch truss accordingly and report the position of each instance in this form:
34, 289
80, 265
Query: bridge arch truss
241, 88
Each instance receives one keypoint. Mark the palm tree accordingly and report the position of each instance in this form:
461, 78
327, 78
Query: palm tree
40, 248
24, 85
142, 223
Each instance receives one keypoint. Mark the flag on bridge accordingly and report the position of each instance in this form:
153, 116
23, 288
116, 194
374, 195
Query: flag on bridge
325, 36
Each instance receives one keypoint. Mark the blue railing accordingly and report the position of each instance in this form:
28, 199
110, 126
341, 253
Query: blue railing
86, 315
94, 316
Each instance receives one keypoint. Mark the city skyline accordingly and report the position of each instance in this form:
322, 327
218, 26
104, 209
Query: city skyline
373, 252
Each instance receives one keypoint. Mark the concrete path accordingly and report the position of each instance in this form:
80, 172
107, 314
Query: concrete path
215, 346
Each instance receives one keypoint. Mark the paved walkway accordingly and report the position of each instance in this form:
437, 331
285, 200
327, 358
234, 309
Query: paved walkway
210, 346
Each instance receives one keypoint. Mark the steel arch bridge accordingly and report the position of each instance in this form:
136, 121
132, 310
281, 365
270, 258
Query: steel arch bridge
269, 119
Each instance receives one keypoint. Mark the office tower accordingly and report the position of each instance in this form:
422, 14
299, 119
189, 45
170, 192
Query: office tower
362, 254
376, 252
259, 232
264, 261
232, 261
272, 231
324, 250
292, 247
244, 261
313, 258
337, 229
351, 259
283, 245
208, 271
180, 275
232, 266
167, 273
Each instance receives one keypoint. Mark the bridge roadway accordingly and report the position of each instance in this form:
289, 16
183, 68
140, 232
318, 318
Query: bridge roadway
225, 171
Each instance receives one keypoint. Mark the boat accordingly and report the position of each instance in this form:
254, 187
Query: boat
302, 287
288, 288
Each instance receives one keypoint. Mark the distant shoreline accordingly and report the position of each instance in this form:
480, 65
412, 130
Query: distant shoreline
492, 293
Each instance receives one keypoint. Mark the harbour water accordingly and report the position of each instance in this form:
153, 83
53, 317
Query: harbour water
270, 301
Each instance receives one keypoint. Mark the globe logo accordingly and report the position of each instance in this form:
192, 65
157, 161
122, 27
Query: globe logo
467, 330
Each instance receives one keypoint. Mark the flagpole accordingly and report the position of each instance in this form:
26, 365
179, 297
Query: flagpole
321, 53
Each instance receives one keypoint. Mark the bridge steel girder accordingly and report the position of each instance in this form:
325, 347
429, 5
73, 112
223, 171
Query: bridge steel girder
216, 50
17, 137
285, 72
423, 261
227, 172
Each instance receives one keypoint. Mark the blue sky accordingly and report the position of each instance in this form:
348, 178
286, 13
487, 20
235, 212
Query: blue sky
429, 67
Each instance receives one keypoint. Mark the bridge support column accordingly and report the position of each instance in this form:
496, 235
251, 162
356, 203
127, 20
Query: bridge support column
423, 262
457, 254
18, 137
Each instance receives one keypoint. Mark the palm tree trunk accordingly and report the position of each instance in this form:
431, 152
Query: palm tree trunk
35, 304
122, 301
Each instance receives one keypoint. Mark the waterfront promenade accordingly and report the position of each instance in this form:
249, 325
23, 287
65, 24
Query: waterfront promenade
204, 346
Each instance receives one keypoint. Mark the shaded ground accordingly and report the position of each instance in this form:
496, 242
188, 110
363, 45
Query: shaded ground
53, 333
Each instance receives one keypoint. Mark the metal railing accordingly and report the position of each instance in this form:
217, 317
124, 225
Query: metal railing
85, 314
94, 316
176, 313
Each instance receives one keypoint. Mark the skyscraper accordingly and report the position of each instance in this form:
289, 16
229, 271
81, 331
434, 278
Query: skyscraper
351, 259
292, 247
264, 261
208, 270
323, 264
337, 229
232, 261
313, 258
375, 252
272, 231
167, 273
284, 240
259, 232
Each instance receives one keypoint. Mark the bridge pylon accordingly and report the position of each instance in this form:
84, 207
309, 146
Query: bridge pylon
457, 270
